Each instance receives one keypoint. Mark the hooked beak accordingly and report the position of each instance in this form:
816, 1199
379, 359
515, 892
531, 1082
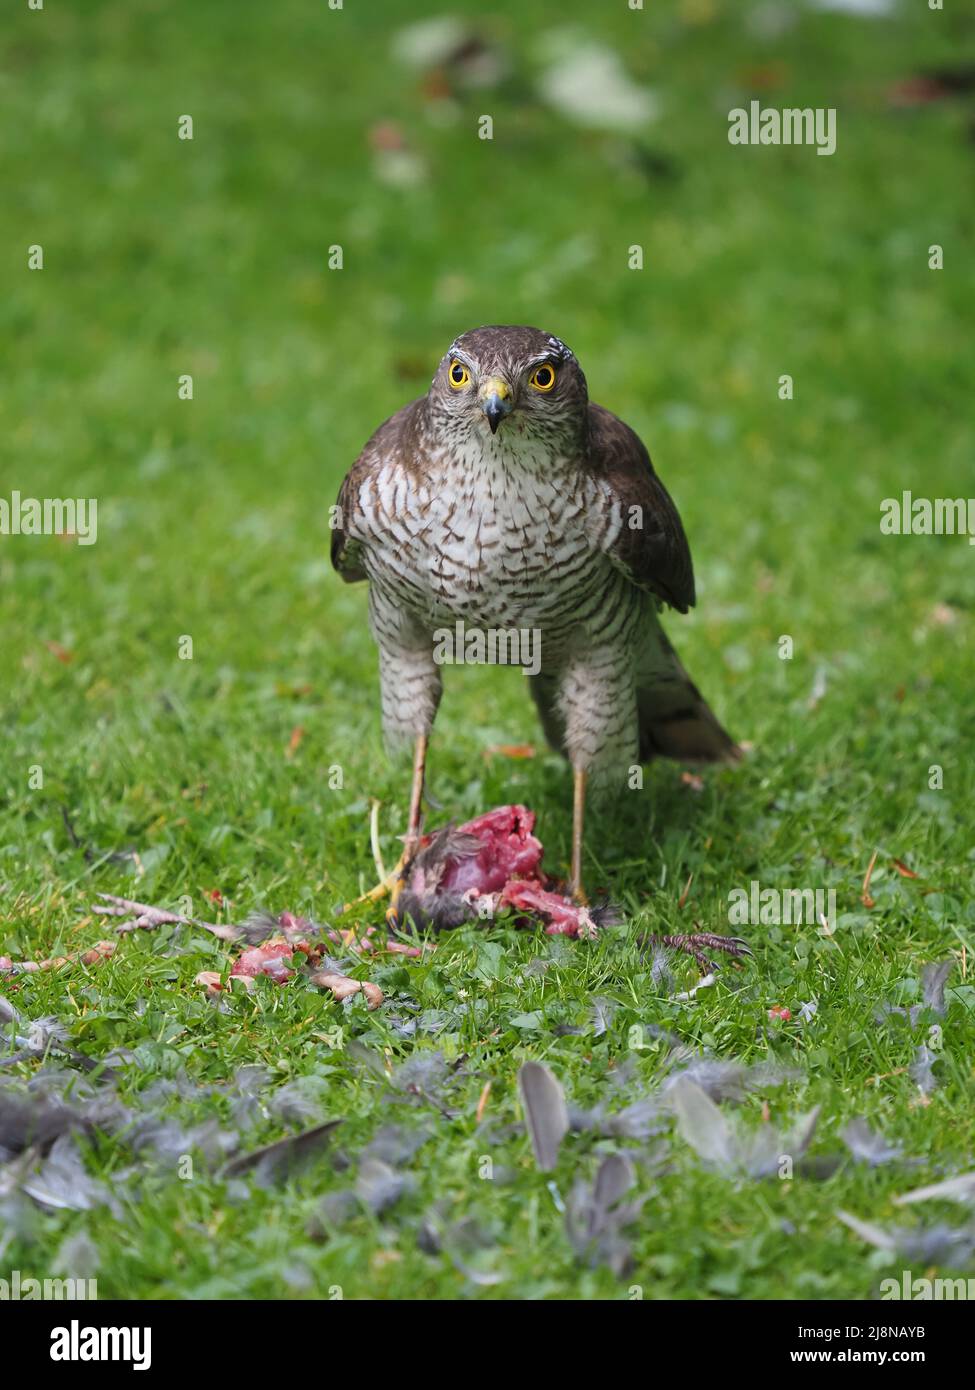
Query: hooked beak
496, 402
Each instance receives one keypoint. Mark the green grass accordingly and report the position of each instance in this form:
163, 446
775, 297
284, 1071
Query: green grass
209, 257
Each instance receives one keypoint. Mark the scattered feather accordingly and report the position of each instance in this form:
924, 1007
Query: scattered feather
603, 1013
866, 1146
588, 83
596, 1215
546, 1115
959, 1189
379, 1185
395, 1145
275, 1161
77, 1256
25, 1123
933, 980
63, 1182
922, 1069
938, 1244
723, 1079
702, 1124
724, 1147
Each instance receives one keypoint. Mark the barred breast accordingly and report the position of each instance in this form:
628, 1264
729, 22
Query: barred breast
496, 541
500, 540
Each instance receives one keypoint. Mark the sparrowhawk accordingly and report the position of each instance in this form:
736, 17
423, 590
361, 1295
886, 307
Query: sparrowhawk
504, 499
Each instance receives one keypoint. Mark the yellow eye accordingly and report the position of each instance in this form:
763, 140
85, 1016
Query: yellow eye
458, 376
542, 378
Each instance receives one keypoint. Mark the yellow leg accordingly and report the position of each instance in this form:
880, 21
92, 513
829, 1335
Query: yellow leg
578, 816
392, 882
380, 889
414, 822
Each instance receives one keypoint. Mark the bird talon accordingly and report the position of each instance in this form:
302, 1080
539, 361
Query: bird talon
381, 889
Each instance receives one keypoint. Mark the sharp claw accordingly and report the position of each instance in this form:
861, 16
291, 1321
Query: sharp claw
695, 943
387, 885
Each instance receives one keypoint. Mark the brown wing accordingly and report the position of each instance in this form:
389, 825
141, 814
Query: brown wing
653, 550
396, 438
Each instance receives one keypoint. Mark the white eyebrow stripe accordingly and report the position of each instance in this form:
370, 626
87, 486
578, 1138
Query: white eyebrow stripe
461, 356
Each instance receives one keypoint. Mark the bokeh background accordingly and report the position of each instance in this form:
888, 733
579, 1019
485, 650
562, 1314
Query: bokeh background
359, 127
313, 128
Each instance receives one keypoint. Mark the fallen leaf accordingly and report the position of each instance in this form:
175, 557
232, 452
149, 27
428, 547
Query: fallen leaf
510, 750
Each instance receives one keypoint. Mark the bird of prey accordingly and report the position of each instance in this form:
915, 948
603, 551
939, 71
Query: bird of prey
505, 499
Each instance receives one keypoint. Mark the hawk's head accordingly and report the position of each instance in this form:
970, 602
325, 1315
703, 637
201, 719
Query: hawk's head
513, 383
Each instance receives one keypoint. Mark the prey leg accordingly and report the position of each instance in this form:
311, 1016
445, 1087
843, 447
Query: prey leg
697, 944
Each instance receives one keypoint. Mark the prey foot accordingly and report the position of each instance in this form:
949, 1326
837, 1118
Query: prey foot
697, 944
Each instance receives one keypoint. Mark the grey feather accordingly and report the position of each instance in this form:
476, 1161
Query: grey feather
922, 1069
546, 1114
63, 1182
867, 1146
933, 980
275, 1161
958, 1189
596, 1216
702, 1124
379, 1185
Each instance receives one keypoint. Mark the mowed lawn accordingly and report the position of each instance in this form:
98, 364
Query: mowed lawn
210, 258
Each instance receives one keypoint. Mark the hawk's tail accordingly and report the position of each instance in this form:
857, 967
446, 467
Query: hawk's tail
674, 719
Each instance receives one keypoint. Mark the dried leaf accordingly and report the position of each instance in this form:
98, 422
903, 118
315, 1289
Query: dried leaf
510, 750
